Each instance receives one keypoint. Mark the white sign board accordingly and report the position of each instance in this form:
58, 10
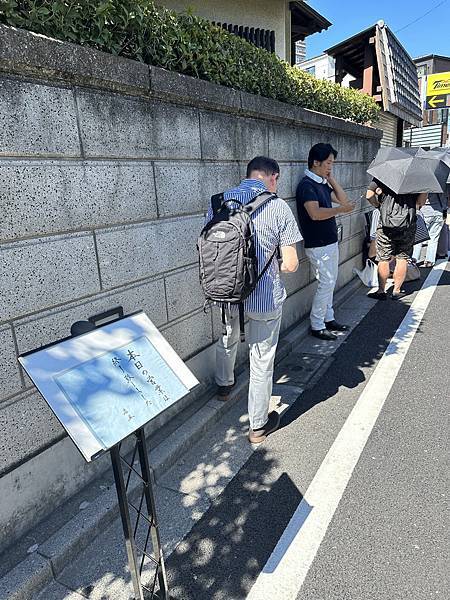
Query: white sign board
105, 384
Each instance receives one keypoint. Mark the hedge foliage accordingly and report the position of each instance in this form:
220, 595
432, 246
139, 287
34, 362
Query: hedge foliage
187, 44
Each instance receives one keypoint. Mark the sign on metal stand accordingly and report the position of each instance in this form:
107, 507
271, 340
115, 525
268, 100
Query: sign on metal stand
104, 384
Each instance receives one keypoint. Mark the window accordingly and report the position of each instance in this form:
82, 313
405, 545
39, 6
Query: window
311, 70
422, 71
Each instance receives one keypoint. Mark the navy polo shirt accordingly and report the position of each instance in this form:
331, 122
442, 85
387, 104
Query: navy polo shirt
315, 233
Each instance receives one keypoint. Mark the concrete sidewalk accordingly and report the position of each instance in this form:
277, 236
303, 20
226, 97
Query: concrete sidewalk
84, 555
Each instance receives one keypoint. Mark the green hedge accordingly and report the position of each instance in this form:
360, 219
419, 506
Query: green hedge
186, 44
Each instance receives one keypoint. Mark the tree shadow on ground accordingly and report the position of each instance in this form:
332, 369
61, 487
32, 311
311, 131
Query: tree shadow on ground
226, 550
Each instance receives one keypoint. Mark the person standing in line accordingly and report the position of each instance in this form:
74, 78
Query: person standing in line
434, 212
275, 227
316, 193
395, 234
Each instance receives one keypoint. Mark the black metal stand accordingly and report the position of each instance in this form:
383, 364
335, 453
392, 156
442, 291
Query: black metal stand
137, 551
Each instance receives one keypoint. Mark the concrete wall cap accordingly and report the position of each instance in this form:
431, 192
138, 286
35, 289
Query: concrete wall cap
30, 54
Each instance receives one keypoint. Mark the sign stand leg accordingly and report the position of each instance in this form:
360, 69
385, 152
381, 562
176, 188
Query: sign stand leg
148, 477
126, 522
145, 515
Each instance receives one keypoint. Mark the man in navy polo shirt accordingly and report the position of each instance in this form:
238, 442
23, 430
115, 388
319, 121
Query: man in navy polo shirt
316, 193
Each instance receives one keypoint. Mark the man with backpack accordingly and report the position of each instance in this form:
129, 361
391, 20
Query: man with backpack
395, 234
247, 229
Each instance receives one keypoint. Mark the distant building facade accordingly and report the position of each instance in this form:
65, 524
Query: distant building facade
435, 127
381, 67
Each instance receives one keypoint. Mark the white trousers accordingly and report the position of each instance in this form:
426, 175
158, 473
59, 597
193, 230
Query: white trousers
325, 262
434, 223
262, 337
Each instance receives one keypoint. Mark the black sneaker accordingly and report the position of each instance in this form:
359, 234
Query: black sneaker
256, 436
223, 391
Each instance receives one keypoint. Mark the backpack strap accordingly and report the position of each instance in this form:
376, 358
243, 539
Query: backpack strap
258, 201
216, 202
241, 321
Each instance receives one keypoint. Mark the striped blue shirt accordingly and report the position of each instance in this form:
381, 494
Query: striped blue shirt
275, 226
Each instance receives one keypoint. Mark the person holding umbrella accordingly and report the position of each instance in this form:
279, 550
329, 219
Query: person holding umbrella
401, 181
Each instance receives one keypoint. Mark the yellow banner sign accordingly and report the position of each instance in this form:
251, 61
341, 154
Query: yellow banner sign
438, 91
438, 84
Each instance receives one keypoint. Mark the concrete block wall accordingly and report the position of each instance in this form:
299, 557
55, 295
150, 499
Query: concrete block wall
106, 170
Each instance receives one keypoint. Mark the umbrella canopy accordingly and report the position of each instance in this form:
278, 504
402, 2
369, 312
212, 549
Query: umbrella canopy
405, 171
444, 156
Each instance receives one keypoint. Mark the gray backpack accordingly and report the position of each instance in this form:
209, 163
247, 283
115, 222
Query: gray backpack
227, 255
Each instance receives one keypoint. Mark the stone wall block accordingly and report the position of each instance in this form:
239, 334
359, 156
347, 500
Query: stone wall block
252, 138
357, 223
190, 335
28, 426
29, 123
298, 280
297, 174
219, 136
10, 380
44, 197
289, 143
122, 126
185, 187
184, 293
350, 247
134, 252
44, 272
361, 178
52, 325
343, 172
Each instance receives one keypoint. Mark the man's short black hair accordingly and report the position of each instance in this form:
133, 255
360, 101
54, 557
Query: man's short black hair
320, 152
266, 165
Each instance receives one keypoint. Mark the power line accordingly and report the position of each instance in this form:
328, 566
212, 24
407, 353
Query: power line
422, 16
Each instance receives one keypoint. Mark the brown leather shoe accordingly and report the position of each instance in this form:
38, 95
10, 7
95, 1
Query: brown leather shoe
256, 436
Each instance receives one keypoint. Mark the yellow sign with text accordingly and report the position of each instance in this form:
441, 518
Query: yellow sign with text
438, 91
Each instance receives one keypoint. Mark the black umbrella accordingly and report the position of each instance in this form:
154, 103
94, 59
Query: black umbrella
404, 171
440, 164
444, 156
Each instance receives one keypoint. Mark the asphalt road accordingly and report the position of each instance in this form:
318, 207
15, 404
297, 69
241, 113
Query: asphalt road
387, 538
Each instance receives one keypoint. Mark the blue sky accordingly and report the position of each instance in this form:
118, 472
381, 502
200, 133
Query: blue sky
430, 35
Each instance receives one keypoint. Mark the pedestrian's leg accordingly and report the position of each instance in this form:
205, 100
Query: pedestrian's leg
324, 270
333, 268
416, 252
401, 267
434, 224
383, 275
263, 339
226, 350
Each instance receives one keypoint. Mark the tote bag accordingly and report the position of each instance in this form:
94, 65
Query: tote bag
368, 275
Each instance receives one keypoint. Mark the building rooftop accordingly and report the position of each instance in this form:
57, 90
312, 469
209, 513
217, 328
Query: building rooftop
396, 72
306, 21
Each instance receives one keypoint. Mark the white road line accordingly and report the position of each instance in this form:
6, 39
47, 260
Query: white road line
284, 573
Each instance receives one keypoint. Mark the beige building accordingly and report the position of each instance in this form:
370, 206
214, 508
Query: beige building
273, 24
